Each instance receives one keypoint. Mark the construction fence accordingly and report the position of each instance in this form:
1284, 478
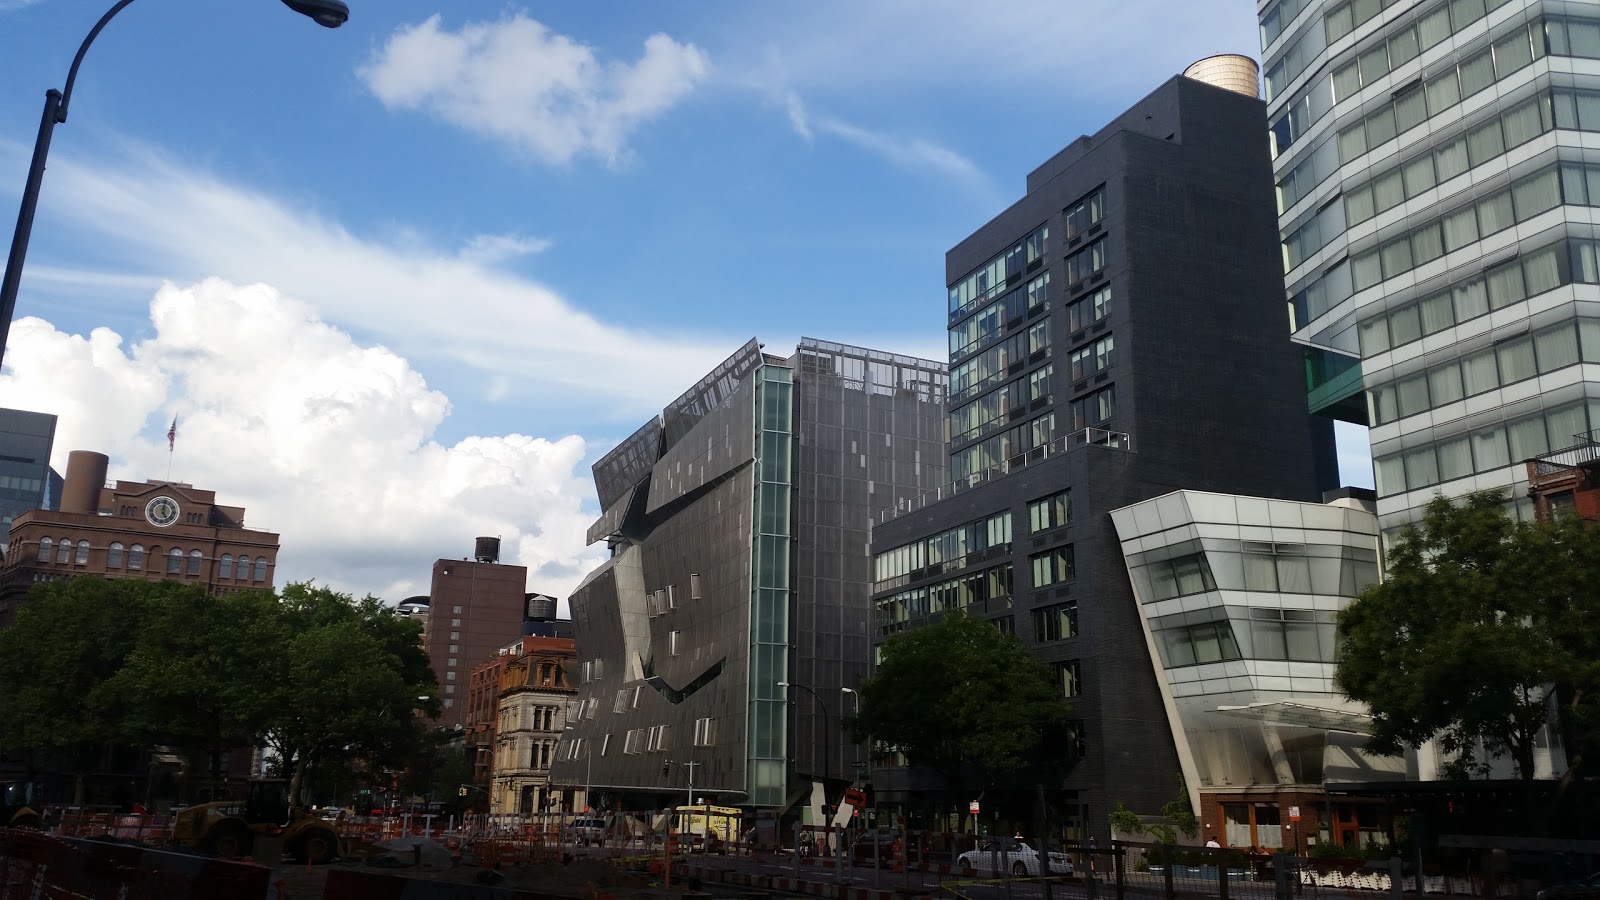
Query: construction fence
35, 865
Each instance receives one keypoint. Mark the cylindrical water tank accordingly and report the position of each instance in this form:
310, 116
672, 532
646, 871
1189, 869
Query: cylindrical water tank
1228, 71
487, 550
86, 475
541, 607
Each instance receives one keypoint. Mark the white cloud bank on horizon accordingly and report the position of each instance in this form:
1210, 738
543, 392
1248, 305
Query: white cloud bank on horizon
542, 92
323, 440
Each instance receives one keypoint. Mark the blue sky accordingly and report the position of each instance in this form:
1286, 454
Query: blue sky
401, 281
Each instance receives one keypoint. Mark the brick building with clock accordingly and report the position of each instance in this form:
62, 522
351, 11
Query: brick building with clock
133, 529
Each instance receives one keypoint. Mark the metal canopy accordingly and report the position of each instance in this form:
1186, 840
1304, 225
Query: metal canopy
1304, 715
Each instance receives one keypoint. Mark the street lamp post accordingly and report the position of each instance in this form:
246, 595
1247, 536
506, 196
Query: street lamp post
588, 771
827, 755
855, 711
328, 13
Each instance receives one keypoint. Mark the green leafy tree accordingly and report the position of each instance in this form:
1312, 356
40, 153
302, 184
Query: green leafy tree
1464, 638
193, 676
961, 698
346, 680
57, 664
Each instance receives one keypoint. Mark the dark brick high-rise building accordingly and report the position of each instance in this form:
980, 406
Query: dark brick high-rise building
1118, 333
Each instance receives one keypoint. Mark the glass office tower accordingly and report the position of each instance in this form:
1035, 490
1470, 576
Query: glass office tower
1436, 188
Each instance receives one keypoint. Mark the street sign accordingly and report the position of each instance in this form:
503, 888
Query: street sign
1294, 813
973, 807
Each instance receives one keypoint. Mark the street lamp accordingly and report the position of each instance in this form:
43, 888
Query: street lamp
328, 13
588, 769
827, 756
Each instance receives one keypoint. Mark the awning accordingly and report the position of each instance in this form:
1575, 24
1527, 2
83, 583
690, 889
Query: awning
1304, 715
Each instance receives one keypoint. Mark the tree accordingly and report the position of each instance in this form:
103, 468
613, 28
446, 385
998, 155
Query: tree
314, 674
57, 663
961, 698
192, 677
1463, 639
347, 679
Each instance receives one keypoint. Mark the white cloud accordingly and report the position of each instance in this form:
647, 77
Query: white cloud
324, 440
435, 307
490, 249
905, 152
544, 93
797, 115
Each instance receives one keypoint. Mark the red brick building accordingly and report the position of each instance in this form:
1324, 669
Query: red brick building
1566, 479
474, 608
133, 529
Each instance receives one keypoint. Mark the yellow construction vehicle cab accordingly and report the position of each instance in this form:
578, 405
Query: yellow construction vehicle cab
19, 804
229, 827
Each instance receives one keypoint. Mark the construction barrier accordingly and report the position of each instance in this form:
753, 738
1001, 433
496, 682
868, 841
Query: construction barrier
35, 865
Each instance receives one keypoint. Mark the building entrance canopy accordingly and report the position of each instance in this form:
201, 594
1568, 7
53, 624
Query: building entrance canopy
1304, 715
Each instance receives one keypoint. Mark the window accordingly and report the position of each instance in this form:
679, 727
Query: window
1085, 214
694, 586
1039, 383
195, 560
46, 544
1050, 512
1191, 645
114, 555
174, 561
136, 556
1089, 310
1069, 675
1179, 577
705, 732
1086, 262
82, 557
1052, 566
225, 566
1292, 634
64, 551
672, 643
1055, 623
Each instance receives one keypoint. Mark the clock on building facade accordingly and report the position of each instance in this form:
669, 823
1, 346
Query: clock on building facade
161, 511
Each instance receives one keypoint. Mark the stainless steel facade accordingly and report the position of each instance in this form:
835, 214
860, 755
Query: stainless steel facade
1438, 229
738, 522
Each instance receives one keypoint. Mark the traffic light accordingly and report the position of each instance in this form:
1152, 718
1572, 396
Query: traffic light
827, 812
666, 768
461, 791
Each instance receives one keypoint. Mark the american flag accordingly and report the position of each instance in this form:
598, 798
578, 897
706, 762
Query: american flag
172, 434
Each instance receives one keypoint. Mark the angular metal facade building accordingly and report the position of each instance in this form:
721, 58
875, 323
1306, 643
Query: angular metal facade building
738, 522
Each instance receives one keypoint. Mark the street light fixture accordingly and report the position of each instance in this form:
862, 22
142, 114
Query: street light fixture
327, 13
827, 755
588, 767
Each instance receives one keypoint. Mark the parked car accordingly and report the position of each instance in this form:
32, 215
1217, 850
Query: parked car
1582, 889
584, 830
879, 841
1014, 856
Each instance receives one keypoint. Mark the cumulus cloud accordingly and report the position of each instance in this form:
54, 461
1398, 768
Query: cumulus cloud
544, 93
327, 441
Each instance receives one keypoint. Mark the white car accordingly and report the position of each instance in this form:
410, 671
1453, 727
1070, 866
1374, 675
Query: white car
1013, 856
